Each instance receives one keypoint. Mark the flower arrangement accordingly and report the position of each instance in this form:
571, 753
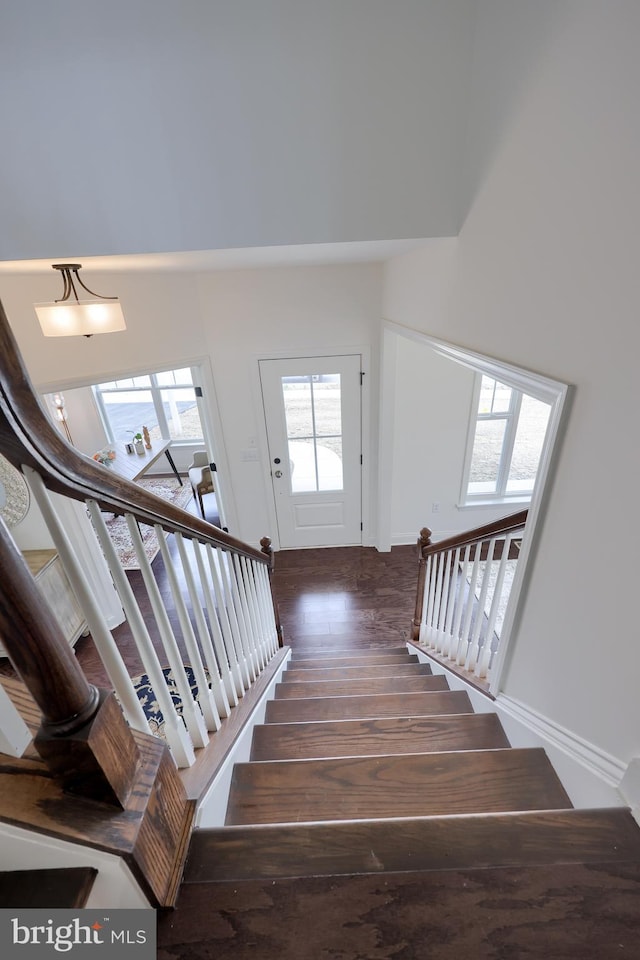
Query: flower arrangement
105, 456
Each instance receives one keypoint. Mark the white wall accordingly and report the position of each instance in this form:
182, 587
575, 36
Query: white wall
231, 317
296, 311
431, 419
546, 277
171, 126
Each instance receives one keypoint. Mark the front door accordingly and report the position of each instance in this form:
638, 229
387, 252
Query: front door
312, 414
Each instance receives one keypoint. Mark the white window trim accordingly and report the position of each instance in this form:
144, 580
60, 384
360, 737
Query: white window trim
469, 501
557, 395
156, 397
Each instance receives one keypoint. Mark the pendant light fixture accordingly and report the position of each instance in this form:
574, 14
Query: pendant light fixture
69, 317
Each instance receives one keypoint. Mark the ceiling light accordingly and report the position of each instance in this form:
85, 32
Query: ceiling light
68, 317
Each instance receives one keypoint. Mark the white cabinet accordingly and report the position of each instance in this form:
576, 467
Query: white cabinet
47, 570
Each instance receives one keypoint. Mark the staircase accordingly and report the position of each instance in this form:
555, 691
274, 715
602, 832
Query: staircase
369, 775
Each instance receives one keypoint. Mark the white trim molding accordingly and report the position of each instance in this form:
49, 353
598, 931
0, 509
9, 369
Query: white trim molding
591, 776
553, 392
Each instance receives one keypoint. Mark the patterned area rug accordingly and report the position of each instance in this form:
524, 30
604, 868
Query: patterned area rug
165, 487
148, 700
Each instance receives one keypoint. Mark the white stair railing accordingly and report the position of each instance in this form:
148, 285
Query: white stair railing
463, 592
202, 651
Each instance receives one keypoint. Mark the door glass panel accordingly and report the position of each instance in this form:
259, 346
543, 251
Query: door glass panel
313, 416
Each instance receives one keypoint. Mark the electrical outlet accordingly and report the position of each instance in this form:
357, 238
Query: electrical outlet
435, 507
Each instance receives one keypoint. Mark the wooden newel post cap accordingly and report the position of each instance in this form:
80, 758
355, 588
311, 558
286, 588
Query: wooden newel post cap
424, 540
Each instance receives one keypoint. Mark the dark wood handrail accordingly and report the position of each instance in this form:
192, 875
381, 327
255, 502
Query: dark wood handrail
495, 529
27, 437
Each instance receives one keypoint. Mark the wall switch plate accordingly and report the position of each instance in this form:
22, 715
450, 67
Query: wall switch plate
249, 455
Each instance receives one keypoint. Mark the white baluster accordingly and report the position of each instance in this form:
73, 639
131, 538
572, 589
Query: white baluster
463, 642
482, 667
205, 699
266, 603
218, 666
460, 605
228, 620
237, 618
454, 569
437, 603
100, 633
254, 610
174, 729
191, 712
474, 642
427, 602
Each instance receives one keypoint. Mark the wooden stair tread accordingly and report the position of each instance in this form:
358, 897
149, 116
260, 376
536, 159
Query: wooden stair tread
343, 673
483, 781
379, 705
359, 687
343, 738
48, 889
421, 843
355, 660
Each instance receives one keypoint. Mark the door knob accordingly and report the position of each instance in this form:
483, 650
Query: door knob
278, 474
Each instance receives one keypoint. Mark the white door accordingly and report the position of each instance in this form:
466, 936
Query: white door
312, 414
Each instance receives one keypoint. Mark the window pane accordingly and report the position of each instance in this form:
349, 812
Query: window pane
327, 409
532, 426
329, 454
296, 395
128, 411
181, 412
302, 466
485, 460
495, 397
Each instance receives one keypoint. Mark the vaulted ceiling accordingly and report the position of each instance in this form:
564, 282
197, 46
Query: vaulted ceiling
152, 126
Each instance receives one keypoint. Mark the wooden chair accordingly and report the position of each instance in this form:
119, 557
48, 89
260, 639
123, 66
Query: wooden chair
200, 478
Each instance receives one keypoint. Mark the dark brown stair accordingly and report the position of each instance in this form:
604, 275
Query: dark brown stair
380, 705
348, 788
358, 687
347, 658
425, 843
343, 673
345, 738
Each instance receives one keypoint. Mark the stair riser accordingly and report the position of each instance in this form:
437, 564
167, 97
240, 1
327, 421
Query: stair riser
308, 662
359, 738
344, 673
358, 708
356, 688
299, 850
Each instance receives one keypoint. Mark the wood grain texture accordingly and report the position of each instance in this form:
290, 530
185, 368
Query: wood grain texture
548, 912
422, 843
360, 687
151, 834
290, 791
351, 738
353, 659
382, 705
344, 673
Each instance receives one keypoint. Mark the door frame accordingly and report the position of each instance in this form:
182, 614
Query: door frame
365, 425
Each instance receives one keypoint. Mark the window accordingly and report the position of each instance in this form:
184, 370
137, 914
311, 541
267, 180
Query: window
164, 402
313, 415
505, 443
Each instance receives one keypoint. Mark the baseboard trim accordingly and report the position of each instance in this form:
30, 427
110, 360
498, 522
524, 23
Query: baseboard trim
591, 777
598, 761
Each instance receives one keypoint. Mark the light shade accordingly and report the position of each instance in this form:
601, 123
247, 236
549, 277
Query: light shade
72, 318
